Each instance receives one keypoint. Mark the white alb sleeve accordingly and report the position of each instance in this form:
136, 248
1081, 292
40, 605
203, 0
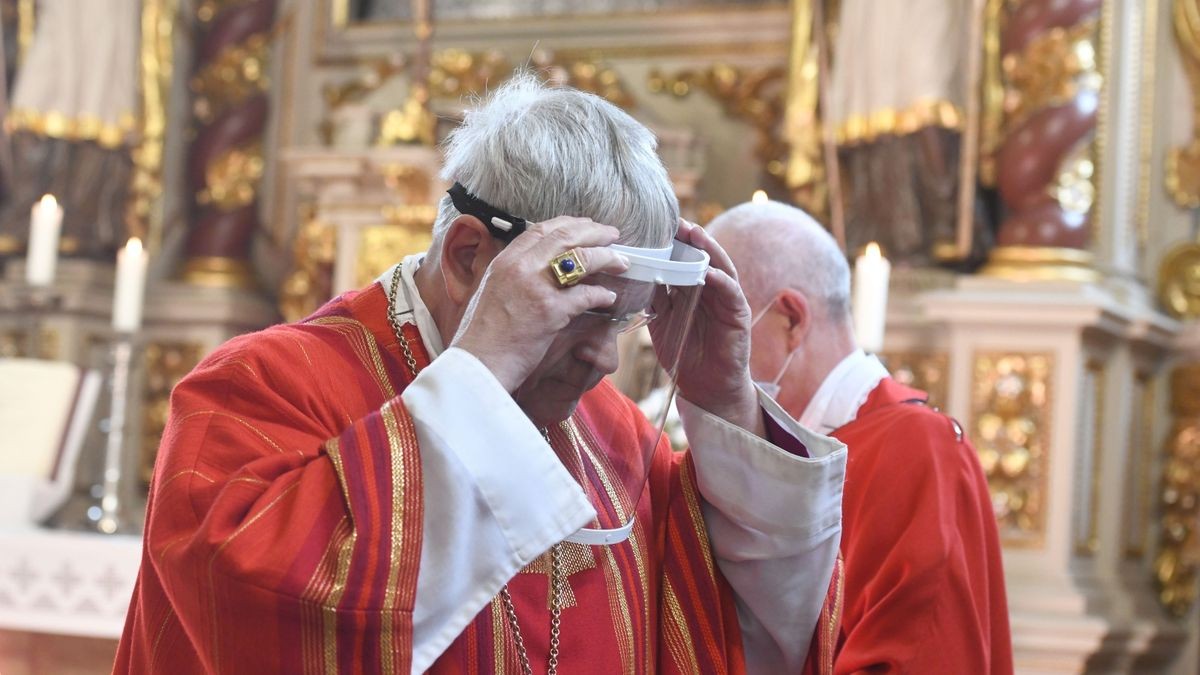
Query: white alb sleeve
496, 496
774, 521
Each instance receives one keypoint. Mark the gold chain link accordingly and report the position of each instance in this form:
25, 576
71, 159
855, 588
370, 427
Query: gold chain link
556, 571
395, 321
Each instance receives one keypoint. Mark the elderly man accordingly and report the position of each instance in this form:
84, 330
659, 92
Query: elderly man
431, 473
924, 585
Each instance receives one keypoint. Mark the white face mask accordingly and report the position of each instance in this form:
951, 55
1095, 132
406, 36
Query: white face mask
772, 388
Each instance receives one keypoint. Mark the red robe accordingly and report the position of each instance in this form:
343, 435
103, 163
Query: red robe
285, 521
924, 583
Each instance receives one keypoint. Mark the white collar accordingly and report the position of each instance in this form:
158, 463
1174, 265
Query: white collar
409, 306
843, 392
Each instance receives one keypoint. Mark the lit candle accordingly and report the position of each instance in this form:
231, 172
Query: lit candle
45, 226
871, 272
130, 287
760, 197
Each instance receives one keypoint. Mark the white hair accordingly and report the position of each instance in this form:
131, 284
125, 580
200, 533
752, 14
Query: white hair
538, 151
776, 246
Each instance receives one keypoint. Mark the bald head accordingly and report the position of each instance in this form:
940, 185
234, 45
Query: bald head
776, 246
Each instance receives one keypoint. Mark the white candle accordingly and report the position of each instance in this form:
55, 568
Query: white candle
130, 287
871, 273
45, 226
760, 197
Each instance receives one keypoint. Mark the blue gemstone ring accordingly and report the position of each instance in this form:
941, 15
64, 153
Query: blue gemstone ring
568, 268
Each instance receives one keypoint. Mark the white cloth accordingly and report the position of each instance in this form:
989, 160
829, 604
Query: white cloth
843, 392
891, 56
83, 64
774, 519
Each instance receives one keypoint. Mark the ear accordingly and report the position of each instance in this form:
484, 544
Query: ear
794, 306
467, 250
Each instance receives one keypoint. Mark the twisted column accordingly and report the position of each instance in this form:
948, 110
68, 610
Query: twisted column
1046, 166
225, 160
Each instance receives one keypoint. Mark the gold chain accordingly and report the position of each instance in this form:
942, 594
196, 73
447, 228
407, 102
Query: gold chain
556, 570
395, 321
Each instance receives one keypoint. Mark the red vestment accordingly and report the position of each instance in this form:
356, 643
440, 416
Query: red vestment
285, 522
924, 582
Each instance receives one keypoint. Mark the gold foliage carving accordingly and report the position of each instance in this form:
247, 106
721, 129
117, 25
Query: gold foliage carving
231, 180
166, 364
920, 370
1010, 404
1183, 164
754, 96
456, 74
1177, 564
1051, 70
309, 283
236, 74
157, 64
1179, 281
382, 245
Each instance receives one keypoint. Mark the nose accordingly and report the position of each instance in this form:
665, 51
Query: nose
599, 350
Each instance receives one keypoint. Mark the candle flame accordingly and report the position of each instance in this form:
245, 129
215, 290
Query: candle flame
760, 197
134, 245
873, 251
48, 202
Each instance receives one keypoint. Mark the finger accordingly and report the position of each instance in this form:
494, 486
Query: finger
723, 295
565, 233
601, 260
718, 258
578, 299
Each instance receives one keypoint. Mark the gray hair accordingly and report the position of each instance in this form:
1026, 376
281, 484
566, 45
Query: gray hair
538, 152
777, 246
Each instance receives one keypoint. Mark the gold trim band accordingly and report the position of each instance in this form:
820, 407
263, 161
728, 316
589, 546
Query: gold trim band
218, 272
1040, 263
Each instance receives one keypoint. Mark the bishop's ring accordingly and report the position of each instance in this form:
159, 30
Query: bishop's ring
568, 268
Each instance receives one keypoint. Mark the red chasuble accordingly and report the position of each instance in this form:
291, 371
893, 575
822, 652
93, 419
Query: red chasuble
285, 522
924, 584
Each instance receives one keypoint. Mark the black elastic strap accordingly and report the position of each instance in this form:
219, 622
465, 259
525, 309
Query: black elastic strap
502, 225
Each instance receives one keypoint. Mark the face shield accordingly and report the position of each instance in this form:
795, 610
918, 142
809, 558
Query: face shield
660, 290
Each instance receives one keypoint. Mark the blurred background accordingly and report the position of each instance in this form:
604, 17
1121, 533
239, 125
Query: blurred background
177, 172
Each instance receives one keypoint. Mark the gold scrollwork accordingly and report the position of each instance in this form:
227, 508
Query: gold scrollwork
231, 180
15, 343
1179, 281
309, 283
1052, 69
166, 364
1177, 565
1183, 163
157, 66
921, 370
755, 96
237, 73
1010, 404
381, 246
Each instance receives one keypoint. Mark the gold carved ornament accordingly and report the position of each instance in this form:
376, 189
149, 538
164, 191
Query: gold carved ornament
755, 96
236, 74
1051, 70
231, 179
157, 64
166, 364
1179, 281
1010, 403
920, 370
1177, 565
1183, 163
308, 284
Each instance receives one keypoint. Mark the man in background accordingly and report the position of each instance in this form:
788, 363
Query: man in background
924, 584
